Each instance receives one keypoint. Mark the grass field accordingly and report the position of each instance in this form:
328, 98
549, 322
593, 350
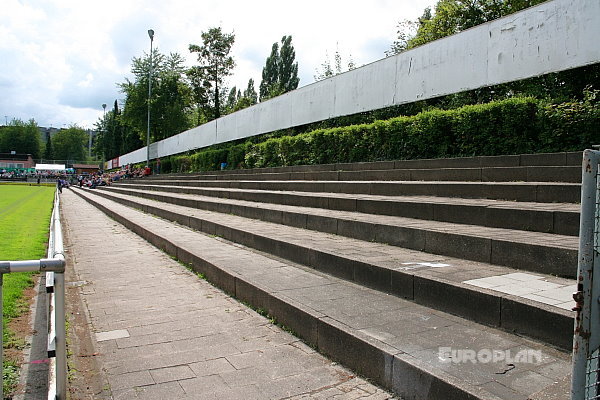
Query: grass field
25, 213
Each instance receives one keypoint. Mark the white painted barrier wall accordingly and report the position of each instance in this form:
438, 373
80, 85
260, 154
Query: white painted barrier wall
551, 37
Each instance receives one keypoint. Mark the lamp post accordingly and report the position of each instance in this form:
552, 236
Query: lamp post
151, 34
103, 147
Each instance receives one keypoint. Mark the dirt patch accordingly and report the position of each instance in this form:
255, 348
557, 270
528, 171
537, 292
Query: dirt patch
86, 379
20, 329
20, 326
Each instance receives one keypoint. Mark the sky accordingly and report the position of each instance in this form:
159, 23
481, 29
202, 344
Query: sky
60, 60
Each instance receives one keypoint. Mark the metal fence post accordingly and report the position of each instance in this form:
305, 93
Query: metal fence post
586, 339
61, 351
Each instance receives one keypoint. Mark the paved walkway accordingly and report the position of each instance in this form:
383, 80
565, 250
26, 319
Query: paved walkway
161, 332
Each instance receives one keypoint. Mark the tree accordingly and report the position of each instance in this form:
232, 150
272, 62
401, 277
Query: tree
70, 143
327, 70
21, 137
232, 99
214, 59
288, 67
200, 87
250, 92
280, 73
406, 31
48, 152
269, 84
171, 99
452, 16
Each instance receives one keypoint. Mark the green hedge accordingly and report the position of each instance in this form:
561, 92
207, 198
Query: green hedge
512, 126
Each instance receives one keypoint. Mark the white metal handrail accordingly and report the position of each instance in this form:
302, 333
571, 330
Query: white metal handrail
55, 265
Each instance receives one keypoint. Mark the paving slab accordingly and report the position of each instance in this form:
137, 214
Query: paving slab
162, 332
396, 342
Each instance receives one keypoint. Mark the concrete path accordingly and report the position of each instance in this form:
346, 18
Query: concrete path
162, 332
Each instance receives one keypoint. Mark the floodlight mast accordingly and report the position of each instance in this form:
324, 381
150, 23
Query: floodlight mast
151, 35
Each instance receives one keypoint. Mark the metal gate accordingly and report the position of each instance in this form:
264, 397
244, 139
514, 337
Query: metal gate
586, 341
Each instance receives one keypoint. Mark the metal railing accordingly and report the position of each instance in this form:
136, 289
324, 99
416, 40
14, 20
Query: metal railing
585, 382
54, 266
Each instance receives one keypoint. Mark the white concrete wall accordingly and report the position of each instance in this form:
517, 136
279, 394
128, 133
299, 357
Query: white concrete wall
551, 37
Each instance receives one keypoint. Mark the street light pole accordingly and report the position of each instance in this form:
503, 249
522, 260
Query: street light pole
151, 34
104, 123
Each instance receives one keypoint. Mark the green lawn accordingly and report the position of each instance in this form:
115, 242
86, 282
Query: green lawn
25, 213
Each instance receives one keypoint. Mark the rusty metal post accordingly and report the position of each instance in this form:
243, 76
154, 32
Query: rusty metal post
586, 340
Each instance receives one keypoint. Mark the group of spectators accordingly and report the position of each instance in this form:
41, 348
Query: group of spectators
47, 176
63, 180
12, 174
101, 178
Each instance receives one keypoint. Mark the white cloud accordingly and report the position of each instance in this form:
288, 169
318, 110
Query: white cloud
61, 59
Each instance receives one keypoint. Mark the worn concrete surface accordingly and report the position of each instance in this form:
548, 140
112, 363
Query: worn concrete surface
364, 327
162, 332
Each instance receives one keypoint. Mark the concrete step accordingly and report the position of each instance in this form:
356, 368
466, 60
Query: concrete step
487, 174
512, 191
403, 346
572, 159
445, 282
529, 251
559, 218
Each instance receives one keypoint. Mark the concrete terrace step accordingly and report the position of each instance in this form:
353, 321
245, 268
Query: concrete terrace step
429, 279
401, 345
491, 174
557, 218
572, 159
539, 192
530, 251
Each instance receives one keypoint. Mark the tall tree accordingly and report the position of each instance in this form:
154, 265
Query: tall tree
280, 73
21, 137
250, 93
214, 58
171, 97
269, 86
48, 152
232, 99
69, 144
288, 67
200, 86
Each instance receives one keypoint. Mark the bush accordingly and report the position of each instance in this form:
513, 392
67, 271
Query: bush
571, 126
